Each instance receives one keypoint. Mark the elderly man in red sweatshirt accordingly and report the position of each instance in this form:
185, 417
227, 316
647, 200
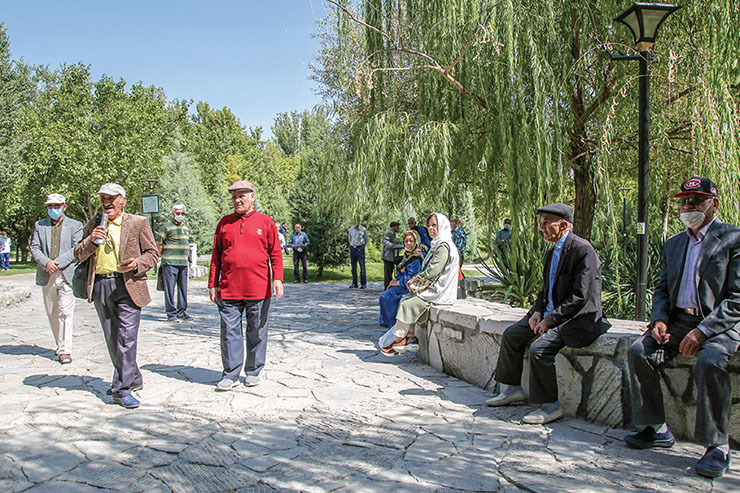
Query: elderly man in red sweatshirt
246, 270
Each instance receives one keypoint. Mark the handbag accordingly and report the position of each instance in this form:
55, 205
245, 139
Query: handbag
160, 281
79, 279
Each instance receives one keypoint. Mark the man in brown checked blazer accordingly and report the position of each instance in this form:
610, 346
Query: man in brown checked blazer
116, 283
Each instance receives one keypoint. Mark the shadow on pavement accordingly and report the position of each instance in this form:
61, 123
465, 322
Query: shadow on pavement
28, 350
94, 385
185, 373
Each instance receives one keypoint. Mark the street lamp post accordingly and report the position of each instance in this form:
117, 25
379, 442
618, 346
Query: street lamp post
625, 191
643, 19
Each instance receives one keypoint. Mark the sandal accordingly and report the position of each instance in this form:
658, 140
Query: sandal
406, 344
65, 359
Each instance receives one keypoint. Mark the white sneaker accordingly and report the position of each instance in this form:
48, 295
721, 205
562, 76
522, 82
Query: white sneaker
504, 399
252, 380
225, 384
540, 416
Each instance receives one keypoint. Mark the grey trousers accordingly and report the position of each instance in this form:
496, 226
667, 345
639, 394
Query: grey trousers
119, 316
543, 385
713, 384
232, 340
175, 276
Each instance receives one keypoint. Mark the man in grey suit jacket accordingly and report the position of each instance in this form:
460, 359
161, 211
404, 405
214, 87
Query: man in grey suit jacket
52, 247
696, 311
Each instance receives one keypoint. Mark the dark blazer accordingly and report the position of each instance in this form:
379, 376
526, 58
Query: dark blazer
576, 294
137, 241
718, 270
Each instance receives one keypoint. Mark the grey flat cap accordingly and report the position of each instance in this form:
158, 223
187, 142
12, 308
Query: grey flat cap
241, 185
558, 209
112, 189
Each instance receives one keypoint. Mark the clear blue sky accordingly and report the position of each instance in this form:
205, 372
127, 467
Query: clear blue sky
252, 56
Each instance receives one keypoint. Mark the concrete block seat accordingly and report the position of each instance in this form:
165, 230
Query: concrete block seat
464, 339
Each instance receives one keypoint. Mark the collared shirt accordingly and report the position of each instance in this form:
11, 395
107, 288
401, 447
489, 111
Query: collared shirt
357, 236
298, 241
687, 294
56, 238
175, 243
556, 252
108, 255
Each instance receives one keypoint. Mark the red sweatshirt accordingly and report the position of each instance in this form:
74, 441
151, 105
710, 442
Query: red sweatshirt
244, 249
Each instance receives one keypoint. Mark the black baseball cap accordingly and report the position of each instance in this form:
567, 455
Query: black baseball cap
558, 209
697, 184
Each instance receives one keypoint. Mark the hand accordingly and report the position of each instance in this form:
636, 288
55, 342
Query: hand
660, 332
99, 233
52, 266
277, 289
534, 320
214, 292
541, 327
394, 282
692, 342
411, 281
128, 265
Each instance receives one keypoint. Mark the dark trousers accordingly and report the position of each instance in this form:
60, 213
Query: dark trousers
300, 258
175, 276
232, 340
388, 268
119, 316
357, 255
543, 386
713, 383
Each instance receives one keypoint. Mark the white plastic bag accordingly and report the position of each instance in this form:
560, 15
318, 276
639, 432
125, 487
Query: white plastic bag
388, 338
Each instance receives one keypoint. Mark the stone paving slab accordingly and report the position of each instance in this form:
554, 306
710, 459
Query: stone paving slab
332, 414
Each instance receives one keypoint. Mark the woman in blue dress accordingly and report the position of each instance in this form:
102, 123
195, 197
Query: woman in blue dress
408, 268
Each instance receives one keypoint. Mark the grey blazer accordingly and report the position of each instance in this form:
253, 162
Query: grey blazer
718, 273
41, 246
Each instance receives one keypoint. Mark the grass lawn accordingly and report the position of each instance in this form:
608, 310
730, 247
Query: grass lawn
19, 268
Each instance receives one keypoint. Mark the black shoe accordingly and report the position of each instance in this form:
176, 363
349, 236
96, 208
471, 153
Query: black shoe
173, 320
185, 317
363, 287
127, 401
297, 281
648, 438
353, 286
305, 281
713, 464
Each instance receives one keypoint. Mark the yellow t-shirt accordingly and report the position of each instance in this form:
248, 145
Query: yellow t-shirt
109, 254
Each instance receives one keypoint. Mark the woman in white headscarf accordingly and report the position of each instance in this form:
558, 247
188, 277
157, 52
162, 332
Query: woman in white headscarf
436, 284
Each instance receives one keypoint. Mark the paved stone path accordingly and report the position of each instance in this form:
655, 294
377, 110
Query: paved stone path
331, 415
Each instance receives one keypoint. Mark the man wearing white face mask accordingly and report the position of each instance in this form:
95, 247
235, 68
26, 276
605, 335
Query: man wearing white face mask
696, 311
173, 243
52, 247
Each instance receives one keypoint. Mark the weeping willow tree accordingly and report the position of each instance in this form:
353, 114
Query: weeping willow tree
518, 101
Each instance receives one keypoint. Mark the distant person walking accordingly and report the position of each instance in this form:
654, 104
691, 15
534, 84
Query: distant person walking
173, 242
423, 232
52, 247
5, 244
459, 238
389, 254
246, 270
120, 255
298, 242
357, 237
283, 233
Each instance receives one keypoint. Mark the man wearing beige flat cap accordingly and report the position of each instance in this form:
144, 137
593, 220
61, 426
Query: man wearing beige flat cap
121, 251
246, 270
52, 247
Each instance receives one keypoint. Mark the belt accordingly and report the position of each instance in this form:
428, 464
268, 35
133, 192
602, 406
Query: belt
109, 275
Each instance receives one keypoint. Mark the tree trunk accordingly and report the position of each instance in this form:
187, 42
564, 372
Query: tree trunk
319, 272
585, 186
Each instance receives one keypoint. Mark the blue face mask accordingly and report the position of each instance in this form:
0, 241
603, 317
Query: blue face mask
55, 214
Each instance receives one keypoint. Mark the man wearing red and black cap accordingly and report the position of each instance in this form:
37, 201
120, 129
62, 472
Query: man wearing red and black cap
696, 311
246, 270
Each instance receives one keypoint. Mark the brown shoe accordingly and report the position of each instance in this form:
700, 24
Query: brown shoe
65, 359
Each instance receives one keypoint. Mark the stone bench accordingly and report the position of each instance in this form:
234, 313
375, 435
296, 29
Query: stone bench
463, 340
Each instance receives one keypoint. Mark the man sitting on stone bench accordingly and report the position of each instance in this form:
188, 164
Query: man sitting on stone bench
696, 311
567, 312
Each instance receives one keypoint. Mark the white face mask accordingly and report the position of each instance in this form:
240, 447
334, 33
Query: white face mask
693, 219
179, 217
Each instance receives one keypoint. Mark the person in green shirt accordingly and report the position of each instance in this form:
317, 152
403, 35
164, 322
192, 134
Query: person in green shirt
173, 243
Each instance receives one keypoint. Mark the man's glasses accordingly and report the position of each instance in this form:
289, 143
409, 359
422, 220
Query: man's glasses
695, 201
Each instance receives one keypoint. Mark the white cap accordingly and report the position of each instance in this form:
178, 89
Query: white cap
112, 189
55, 198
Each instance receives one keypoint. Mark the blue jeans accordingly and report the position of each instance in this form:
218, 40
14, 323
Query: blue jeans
357, 254
4, 261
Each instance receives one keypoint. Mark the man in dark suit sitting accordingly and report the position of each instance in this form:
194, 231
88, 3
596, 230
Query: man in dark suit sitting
696, 311
567, 312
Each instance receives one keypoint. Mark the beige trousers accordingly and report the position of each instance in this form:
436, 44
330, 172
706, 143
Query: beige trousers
60, 308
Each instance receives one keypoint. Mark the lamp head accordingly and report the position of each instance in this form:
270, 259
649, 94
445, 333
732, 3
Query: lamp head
644, 19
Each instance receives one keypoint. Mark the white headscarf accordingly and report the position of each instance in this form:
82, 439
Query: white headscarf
444, 289
444, 232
